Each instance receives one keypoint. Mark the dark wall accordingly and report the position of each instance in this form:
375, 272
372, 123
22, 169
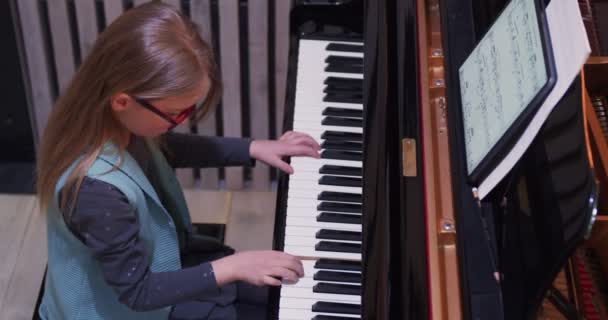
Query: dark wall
16, 140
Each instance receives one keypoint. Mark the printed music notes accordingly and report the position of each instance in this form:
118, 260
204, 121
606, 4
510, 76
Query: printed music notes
500, 78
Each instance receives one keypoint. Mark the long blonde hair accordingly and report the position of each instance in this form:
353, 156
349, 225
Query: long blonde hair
151, 52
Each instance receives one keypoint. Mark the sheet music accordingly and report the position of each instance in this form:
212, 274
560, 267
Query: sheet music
570, 51
500, 78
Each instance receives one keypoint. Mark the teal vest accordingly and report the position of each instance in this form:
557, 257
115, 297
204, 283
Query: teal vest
74, 286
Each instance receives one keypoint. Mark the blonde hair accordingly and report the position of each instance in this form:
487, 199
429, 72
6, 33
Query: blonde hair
151, 52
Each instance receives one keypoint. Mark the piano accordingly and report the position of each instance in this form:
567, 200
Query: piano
385, 221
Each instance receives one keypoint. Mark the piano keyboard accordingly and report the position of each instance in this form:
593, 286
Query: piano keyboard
324, 200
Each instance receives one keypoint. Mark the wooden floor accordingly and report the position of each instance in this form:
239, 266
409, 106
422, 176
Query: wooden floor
249, 219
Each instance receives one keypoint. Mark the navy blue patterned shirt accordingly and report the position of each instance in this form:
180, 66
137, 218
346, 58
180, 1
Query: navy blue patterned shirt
107, 224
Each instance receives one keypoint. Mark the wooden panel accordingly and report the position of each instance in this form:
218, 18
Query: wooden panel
209, 206
441, 228
113, 8
14, 215
63, 49
200, 13
40, 98
251, 221
258, 85
28, 256
231, 75
282, 9
87, 25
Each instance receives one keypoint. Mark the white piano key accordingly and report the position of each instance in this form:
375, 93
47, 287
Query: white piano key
318, 127
312, 212
294, 292
308, 241
300, 314
303, 303
301, 161
312, 185
308, 203
306, 282
312, 252
303, 187
311, 222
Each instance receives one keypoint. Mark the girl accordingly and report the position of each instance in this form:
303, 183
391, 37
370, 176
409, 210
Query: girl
117, 220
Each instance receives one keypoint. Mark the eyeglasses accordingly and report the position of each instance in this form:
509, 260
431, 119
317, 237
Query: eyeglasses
174, 121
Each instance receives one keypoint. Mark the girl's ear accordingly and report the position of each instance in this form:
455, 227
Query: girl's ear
120, 101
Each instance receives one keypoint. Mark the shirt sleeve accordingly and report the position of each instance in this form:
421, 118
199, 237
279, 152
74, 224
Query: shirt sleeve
194, 151
106, 223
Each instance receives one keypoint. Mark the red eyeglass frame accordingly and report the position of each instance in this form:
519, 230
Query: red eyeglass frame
174, 121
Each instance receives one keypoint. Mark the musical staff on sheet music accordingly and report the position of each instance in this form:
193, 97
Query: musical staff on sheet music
500, 78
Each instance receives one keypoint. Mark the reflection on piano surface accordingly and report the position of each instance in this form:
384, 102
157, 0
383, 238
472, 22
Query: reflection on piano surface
386, 221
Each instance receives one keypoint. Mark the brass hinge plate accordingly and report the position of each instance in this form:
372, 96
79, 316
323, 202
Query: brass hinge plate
409, 157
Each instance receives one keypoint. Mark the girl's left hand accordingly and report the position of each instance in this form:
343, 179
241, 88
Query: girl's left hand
290, 144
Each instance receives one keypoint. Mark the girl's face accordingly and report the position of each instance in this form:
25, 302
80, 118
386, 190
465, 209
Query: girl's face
145, 123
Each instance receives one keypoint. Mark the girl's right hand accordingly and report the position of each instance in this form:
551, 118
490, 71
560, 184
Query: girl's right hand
258, 268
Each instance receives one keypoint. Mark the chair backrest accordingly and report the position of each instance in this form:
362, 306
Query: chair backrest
250, 39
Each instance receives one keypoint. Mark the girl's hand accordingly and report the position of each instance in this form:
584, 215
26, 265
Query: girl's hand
290, 144
258, 268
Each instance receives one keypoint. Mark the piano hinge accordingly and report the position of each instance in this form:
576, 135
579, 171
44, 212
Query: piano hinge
409, 157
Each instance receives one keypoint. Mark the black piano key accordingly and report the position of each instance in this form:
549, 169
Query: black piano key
342, 122
358, 69
344, 60
341, 171
341, 181
342, 145
343, 47
337, 276
343, 112
325, 317
341, 136
331, 246
337, 288
343, 98
327, 234
339, 218
344, 90
342, 155
354, 89
340, 81
340, 196
342, 207
335, 264
336, 307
